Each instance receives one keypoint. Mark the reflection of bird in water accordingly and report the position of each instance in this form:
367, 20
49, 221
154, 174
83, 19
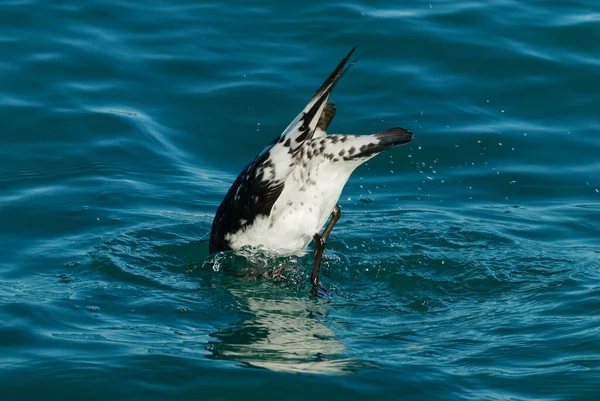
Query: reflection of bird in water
282, 335
283, 198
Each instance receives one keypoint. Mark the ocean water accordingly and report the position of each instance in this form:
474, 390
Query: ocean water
465, 265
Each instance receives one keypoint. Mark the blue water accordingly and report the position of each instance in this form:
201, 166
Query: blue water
465, 265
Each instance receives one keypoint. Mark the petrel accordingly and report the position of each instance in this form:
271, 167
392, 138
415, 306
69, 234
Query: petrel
283, 198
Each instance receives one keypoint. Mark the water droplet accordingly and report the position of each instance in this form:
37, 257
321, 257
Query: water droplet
93, 308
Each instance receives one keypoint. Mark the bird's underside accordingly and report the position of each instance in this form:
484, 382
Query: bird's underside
283, 198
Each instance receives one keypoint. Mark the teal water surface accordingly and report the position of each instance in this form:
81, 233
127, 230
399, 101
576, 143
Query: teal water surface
465, 265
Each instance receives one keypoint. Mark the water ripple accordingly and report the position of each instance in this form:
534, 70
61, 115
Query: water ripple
465, 263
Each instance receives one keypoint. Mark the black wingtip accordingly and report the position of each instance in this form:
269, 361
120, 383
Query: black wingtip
337, 72
322, 95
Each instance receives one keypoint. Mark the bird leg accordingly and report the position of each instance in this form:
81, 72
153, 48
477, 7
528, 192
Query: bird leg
335, 216
319, 248
320, 241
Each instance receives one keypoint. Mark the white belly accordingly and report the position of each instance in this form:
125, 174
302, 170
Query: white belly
299, 213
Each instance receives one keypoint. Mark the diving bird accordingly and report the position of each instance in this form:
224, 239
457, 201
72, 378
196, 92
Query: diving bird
283, 198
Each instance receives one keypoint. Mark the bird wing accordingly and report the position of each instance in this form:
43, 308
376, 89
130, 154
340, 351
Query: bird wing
317, 112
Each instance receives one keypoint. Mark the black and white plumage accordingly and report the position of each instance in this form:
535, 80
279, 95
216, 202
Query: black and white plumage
287, 193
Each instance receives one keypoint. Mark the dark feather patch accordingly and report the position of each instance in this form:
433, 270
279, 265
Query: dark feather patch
255, 196
327, 116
